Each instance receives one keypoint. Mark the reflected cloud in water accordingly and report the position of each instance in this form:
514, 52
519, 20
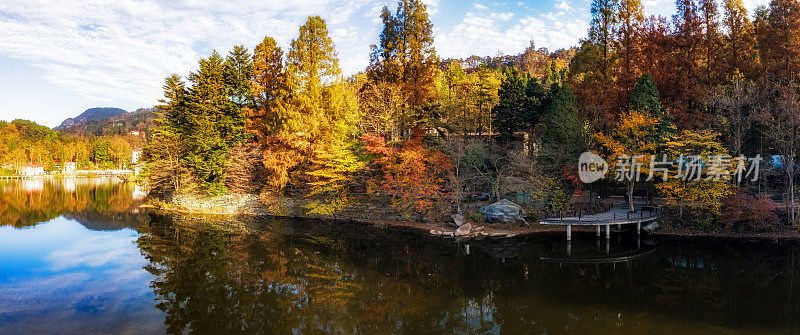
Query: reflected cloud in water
60, 277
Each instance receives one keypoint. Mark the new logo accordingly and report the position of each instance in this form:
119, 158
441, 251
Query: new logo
591, 167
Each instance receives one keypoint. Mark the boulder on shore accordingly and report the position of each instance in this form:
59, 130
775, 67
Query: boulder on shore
503, 211
458, 220
464, 230
651, 227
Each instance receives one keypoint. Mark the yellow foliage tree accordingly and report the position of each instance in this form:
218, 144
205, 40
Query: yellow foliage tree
311, 141
704, 192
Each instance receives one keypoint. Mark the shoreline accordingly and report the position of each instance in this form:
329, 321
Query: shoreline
250, 206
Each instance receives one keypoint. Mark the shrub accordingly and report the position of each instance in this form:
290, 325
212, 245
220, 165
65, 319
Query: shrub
742, 211
412, 174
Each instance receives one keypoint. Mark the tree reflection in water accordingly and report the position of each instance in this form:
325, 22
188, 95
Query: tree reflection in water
292, 276
265, 275
99, 203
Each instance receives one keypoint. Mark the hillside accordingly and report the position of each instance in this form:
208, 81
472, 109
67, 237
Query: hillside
140, 120
92, 114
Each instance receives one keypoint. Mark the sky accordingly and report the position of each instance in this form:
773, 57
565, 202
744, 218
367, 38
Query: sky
59, 58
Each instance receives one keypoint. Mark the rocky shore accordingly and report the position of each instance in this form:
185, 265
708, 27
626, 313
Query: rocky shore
381, 215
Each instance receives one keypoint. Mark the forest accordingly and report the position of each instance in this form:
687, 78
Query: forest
103, 143
25, 142
426, 134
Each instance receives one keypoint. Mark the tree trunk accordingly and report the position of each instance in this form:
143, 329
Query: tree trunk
630, 196
791, 168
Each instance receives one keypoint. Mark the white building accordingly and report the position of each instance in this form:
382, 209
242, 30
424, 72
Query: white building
136, 155
32, 170
69, 167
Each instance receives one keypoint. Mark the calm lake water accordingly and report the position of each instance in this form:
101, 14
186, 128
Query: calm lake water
77, 257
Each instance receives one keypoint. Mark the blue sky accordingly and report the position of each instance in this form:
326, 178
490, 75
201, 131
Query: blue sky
58, 58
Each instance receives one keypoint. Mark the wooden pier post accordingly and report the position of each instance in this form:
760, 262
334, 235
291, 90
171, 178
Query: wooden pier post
598, 230
608, 231
638, 228
569, 232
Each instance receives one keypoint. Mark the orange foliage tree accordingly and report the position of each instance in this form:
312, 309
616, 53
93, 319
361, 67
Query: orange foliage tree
411, 173
632, 142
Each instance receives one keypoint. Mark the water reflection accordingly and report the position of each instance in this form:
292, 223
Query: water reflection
100, 203
77, 258
320, 277
60, 277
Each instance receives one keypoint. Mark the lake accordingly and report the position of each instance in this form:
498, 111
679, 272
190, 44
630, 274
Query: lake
78, 257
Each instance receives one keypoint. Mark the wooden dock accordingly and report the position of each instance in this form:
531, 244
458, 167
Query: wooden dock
613, 217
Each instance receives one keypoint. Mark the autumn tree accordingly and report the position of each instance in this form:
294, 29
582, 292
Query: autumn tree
684, 91
311, 65
313, 140
712, 51
628, 42
412, 174
381, 104
739, 42
781, 40
689, 182
454, 95
269, 87
591, 70
119, 151
406, 58
629, 145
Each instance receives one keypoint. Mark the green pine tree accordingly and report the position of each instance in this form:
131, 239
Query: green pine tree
646, 99
238, 72
564, 137
509, 113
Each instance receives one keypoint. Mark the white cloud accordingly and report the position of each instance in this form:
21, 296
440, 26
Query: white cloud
496, 33
502, 16
121, 50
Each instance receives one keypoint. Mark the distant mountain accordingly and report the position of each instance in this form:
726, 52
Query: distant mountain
92, 114
140, 121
